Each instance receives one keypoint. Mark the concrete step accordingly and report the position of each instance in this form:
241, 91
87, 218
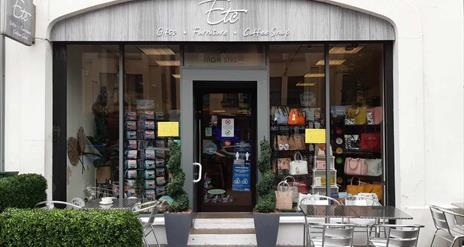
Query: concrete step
222, 232
222, 240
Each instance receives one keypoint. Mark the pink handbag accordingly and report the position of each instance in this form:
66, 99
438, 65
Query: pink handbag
355, 167
375, 115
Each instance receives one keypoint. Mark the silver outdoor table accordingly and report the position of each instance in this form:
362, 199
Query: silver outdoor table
361, 212
377, 213
117, 204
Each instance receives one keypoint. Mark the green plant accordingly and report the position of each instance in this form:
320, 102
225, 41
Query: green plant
176, 180
50, 228
22, 191
265, 187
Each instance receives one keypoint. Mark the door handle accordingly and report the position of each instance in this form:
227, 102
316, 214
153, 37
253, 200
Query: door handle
199, 172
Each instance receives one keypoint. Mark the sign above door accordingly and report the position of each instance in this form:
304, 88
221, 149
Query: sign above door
222, 20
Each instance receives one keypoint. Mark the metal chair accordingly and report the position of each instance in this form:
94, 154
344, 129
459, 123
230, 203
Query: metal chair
51, 205
455, 230
366, 224
331, 235
93, 193
153, 207
398, 236
317, 200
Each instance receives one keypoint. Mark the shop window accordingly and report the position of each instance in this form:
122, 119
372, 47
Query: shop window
297, 83
356, 101
298, 104
92, 119
151, 97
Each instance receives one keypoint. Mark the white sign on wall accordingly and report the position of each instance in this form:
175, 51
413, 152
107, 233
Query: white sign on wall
19, 20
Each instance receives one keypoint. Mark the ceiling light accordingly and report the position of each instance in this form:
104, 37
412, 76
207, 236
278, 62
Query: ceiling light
314, 75
157, 51
345, 50
177, 76
173, 63
306, 84
332, 62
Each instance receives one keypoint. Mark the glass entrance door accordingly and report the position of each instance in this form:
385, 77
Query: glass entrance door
226, 139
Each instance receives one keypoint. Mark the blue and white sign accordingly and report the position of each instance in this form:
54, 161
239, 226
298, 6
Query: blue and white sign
241, 175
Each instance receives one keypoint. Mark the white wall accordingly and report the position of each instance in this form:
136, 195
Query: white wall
429, 92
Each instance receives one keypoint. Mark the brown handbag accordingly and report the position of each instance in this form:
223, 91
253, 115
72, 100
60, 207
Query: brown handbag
281, 142
283, 163
296, 142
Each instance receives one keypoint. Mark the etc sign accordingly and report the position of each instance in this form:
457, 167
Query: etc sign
217, 15
20, 20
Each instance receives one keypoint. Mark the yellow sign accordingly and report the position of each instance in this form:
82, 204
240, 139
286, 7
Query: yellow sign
168, 129
316, 136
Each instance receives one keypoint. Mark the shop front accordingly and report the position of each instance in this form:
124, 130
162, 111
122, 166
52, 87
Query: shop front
315, 80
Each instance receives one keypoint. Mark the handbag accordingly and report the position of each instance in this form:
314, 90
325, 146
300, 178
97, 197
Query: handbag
283, 164
280, 114
356, 116
363, 187
296, 142
281, 142
352, 142
296, 117
293, 187
302, 187
284, 196
355, 167
370, 142
338, 111
374, 167
374, 115
298, 166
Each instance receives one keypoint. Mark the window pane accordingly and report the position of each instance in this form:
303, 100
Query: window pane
92, 119
356, 77
151, 95
297, 96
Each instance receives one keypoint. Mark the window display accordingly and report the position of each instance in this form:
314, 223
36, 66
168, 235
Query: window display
93, 117
357, 117
297, 97
151, 96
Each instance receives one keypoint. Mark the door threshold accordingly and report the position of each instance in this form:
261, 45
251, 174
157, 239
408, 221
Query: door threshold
222, 215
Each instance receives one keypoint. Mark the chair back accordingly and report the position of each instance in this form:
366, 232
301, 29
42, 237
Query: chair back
319, 200
152, 207
52, 204
453, 220
402, 236
439, 218
335, 234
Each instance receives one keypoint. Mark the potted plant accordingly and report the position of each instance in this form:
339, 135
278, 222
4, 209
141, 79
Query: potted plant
265, 219
178, 220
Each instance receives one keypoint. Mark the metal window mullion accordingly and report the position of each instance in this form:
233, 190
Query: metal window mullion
2, 102
327, 118
121, 120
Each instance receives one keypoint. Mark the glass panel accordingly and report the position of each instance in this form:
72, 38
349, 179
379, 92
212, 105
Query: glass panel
227, 125
151, 96
92, 106
297, 96
356, 78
